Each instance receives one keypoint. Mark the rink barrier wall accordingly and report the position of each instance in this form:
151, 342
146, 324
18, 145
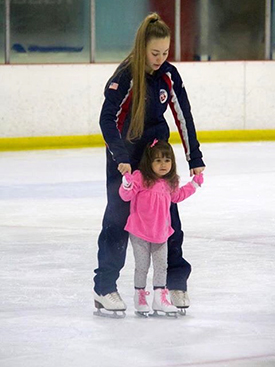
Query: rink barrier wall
70, 142
58, 106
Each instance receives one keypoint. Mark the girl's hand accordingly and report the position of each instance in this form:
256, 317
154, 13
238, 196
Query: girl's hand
196, 171
198, 179
127, 181
124, 168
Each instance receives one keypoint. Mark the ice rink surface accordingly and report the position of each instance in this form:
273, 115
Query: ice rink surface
51, 206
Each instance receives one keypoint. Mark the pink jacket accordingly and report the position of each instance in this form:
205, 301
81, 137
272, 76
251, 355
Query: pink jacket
149, 217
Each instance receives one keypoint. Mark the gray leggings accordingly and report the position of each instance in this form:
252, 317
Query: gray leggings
142, 253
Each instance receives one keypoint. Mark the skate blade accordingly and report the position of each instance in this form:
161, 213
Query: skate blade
116, 314
108, 314
182, 311
164, 314
142, 314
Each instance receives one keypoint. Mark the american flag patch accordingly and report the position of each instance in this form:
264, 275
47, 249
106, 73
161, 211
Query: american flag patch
113, 86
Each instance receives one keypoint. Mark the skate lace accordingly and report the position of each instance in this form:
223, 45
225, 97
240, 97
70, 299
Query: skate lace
114, 296
142, 297
179, 294
164, 300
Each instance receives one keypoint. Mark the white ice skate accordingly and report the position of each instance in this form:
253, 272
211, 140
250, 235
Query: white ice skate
141, 305
162, 304
180, 299
110, 302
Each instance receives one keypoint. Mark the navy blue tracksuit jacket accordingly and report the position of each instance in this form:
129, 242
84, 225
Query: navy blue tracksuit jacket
164, 87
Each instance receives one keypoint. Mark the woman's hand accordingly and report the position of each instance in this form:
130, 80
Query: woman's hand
124, 168
196, 171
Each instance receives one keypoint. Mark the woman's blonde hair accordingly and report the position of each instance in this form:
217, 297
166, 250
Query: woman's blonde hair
151, 27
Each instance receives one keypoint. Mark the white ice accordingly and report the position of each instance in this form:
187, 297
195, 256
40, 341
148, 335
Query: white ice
51, 206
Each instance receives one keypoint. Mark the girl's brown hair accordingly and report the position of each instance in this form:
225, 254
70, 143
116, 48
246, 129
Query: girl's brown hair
159, 149
151, 27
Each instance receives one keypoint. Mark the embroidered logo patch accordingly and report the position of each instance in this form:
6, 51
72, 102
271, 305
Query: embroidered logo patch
163, 95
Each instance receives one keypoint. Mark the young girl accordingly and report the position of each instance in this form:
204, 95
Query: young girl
136, 98
151, 189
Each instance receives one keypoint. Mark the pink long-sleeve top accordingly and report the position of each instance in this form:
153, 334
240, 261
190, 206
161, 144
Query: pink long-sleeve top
149, 217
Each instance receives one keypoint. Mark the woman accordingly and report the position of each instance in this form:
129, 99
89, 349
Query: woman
136, 97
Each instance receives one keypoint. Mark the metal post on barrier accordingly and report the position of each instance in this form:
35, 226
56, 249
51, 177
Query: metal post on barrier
92, 31
177, 30
267, 29
7, 31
